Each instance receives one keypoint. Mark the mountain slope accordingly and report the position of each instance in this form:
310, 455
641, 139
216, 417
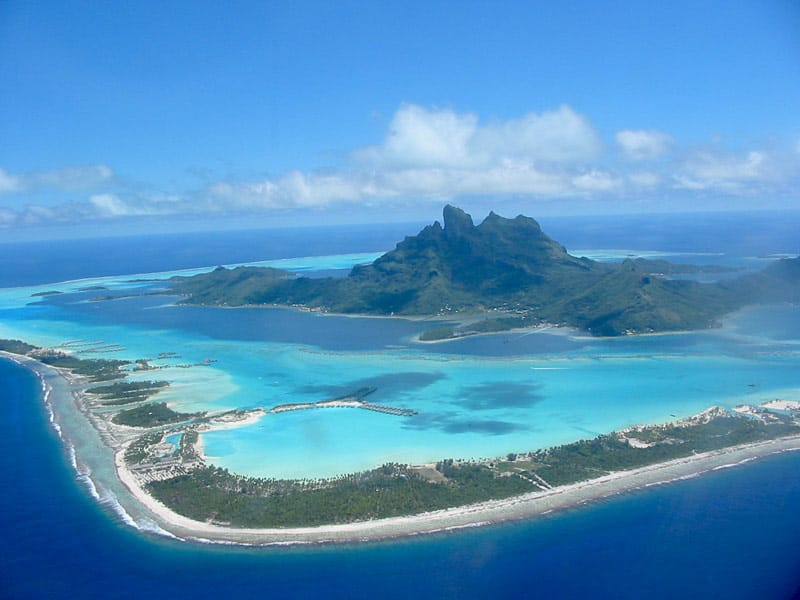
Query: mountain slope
508, 265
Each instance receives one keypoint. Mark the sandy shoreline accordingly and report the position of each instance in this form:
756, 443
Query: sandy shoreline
493, 511
484, 513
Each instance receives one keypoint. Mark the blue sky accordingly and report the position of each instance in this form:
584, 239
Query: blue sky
123, 116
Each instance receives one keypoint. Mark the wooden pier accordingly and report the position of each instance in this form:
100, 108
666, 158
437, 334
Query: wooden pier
389, 410
355, 400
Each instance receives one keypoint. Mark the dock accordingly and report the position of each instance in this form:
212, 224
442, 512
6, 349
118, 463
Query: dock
389, 410
355, 400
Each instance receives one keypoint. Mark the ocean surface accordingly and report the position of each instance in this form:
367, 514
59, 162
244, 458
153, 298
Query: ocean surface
734, 533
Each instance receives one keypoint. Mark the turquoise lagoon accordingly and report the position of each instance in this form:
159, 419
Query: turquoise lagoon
475, 398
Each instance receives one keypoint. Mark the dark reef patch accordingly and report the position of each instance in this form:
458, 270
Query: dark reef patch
490, 396
388, 385
451, 423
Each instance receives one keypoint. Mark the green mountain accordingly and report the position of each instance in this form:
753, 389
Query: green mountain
508, 266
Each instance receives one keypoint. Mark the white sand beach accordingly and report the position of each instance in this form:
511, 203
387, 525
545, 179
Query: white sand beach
495, 511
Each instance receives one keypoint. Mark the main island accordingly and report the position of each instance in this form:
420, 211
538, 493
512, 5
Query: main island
463, 280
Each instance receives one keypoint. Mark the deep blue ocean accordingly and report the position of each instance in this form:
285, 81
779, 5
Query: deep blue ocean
733, 533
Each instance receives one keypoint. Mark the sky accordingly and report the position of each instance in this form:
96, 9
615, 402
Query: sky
162, 116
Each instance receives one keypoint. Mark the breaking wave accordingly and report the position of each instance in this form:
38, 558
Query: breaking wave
107, 499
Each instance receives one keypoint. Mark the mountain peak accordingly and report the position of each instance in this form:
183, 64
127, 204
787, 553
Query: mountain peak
456, 221
502, 265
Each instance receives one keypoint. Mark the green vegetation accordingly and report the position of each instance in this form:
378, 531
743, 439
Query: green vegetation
127, 392
664, 267
608, 453
140, 450
118, 393
187, 448
507, 265
16, 347
95, 369
438, 333
500, 324
151, 415
137, 451
235, 287
392, 490
49, 293
211, 493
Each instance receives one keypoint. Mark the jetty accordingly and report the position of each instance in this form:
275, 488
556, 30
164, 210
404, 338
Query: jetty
354, 400
102, 349
389, 410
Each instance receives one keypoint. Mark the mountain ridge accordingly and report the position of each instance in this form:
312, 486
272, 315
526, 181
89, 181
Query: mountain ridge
503, 265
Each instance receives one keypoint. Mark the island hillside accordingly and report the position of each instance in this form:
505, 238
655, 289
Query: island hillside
505, 266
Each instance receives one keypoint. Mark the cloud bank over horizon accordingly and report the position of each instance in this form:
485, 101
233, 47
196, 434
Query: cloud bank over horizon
435, 154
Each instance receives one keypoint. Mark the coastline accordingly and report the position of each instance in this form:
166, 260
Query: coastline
549, 328
484, 513
474, 515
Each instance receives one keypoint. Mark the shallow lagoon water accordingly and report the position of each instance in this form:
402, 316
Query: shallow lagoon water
732, 533
729, 534
476, 397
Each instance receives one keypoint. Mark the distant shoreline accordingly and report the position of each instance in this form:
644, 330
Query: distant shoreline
484, 513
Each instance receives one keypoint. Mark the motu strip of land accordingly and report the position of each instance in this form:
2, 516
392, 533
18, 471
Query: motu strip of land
191, 498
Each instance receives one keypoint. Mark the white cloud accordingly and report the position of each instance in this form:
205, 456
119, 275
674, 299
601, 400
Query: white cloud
109, 205
645, 179
510, 178
596, 181
73, 178
432, 154
40, 214
706, 170
639, 144
8, 182
440, 153
112, 205
420, 137
560, 135
63, 179
295, 189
